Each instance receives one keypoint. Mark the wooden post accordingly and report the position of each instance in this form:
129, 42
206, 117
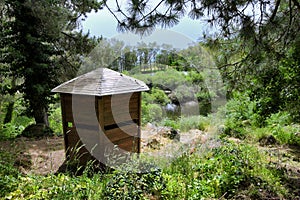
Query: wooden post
64, 121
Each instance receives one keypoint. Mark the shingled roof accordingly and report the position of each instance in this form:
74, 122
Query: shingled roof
101, 82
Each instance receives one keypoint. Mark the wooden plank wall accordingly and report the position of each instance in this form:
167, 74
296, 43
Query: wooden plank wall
120, 123
121, 120
74, 146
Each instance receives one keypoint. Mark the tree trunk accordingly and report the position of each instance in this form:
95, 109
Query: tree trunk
9, 112
40, 116
10, 106
41, 128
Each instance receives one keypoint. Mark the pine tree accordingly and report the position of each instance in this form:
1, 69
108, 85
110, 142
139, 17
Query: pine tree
39, 42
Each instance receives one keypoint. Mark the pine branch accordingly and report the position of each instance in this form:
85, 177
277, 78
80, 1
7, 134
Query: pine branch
275, 11
297, 4
68, 35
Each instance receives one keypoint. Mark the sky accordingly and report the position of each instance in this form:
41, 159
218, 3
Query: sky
185, 33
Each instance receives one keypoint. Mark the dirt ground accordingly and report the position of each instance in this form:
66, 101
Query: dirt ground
46, 155
36, 156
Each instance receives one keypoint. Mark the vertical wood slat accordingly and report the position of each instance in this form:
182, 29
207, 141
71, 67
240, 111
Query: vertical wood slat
139, 122
72, 139
101, 122
64, 122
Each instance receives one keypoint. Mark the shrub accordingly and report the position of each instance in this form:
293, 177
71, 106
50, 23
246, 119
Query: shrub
8, 174
171, 123
10, 130
130, 185
147, 98
187, 123
155, 112
240, 113
151, 113
58, 187
223, 172
194, 77
280, 118
159, 96
185, 93
193, 122
168, 79
55, 119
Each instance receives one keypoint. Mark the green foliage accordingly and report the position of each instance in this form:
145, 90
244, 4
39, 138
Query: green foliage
185, 93
39, 51
279, 125
194, 77
193, 122
152, 113
240, 113
171, 123
187, 123
10, 130
130, 185
223, 172
290, 83
169, 79
159, 96
18, 122
58, 187
55, 119
184, 86
279, 119
14, 128
147, 98
9, 176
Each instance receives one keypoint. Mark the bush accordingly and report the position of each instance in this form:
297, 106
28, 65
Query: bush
185, 93
155, 112
10, 130
171, 123
240, 113
55, 119
280, 118
58, 187
285, 134
147, 98
151, 113
193, 122
194, 77
187, 123
168, 79
129, 185
8, 174
223, 172
159, 96
18, 122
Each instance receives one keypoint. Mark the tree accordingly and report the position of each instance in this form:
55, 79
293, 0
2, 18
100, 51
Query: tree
130, 59
260, 26
256, 37
107, 53
37, 49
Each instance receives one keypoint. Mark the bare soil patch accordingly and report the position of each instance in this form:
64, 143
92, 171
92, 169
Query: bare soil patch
36, 156
45, 155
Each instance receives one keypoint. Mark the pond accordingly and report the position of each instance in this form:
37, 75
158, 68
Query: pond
190, 108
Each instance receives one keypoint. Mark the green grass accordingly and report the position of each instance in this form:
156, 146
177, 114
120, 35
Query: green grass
187, 123
222, 172
226, 171
218, 169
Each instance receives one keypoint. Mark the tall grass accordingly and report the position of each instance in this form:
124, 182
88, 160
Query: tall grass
187, 123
